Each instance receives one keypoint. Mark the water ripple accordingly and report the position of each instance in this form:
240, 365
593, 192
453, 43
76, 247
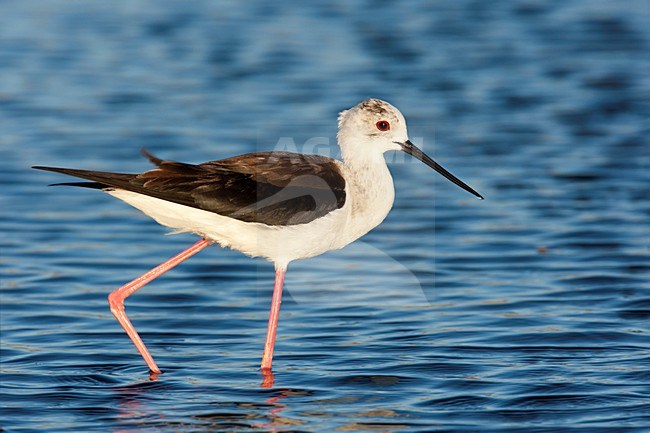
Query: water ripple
524, 312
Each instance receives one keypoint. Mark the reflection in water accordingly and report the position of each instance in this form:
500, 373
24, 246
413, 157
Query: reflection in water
529, 310
137, 408
276, 405
133, 408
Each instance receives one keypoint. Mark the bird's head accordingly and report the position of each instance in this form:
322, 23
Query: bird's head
373, 127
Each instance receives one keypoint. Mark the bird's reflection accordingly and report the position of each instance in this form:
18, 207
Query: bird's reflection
138, 404
132, 405
276, 405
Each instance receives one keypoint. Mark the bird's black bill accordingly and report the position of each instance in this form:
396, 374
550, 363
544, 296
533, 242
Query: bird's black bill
413, 150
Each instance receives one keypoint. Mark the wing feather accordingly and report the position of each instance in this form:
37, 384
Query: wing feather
274, 188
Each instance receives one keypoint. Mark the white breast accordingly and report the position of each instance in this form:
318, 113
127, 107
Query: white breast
370, 194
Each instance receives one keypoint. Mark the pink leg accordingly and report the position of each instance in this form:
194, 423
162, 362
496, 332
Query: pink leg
267, 357
117, 297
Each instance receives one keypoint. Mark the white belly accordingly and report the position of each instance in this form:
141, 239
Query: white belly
279, 244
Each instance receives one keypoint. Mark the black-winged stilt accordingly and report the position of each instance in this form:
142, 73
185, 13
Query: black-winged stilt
278, 205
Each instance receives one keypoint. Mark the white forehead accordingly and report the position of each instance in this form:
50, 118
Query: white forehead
371, 110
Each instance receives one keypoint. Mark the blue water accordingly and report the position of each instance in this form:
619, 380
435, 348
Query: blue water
528, 311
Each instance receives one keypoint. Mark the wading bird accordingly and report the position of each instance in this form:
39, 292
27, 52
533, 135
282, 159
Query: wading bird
278, 205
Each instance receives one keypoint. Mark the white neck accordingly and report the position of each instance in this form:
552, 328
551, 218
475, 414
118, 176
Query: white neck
370, 191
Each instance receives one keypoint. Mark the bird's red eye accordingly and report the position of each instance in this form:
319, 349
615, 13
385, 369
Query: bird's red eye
382, 125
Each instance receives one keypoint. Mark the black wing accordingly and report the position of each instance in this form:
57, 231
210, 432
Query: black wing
274, 188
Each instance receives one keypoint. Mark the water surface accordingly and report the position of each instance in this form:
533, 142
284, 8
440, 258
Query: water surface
527, 311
